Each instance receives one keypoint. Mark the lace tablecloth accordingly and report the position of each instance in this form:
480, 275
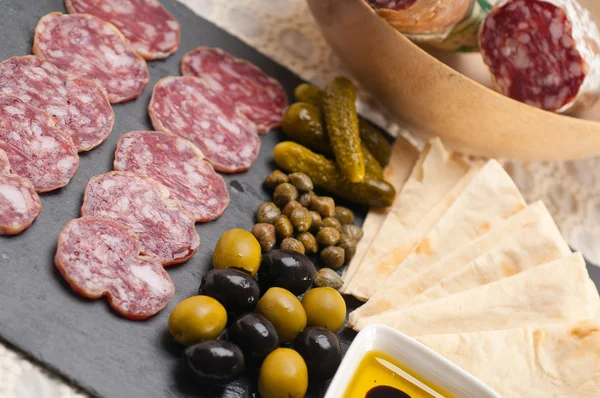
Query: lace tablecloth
285, 31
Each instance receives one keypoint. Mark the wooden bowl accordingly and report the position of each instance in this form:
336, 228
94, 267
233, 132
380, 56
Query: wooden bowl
451, 95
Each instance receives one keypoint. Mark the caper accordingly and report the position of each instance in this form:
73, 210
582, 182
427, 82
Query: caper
326, 277
301, 219
352, 231
275, 178
305, 199
292, 244
328, 236
317, 221
323, 205
265, 234
284, 193
344, 215
290, 207
283, 227
267, 212
349, 246
332, 222
302, 182
333, 257
309, 242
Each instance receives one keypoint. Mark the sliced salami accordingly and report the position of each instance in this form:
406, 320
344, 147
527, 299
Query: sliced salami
78, 106
187, 107
36, 149
94, 49
152, 31
395, 5
166, 231
19, 203
545, 53
259, 97
100, 257
180, 166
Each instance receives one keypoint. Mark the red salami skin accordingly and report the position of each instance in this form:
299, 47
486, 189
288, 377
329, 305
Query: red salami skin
94, 49
165, 230
36, 149
152, 31
396, 5
179, 165
187, 107
78, 106
259, 97
100, 257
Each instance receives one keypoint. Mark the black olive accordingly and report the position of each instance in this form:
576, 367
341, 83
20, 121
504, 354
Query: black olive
236, 290
214, 362
321, 351
254, 334
288, 269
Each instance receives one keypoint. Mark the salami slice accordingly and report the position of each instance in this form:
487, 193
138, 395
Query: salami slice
187, 107
100, 257
94, 49
166, 231
152, 31
78, 106
19, 203
36, 149
545, 53
179, 165
259, 97
396, 5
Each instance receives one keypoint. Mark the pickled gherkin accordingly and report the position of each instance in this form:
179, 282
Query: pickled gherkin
309, 93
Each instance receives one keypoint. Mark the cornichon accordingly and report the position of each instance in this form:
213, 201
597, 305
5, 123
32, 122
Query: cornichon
295, 158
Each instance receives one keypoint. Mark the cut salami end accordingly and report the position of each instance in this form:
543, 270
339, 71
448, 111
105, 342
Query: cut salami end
36, 149
189, 108
166, 231
259, 97
152, 31
179, 165
78, 106
100, 257
94, 49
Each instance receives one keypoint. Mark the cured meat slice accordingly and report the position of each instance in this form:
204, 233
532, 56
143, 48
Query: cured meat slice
94, 49
78, 106
187, 107
545, 53
152, 31
36, 149
166, 231
259, 97
100, 257
179, 165
395, 5
19, 203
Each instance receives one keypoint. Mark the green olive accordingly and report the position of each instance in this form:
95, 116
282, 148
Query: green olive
283, 374
344, 215
292, 244
317, 221
323, 205
326, 277
302, 182
290, 207
196, 319
301, 219
237, 248
328, 236
333, 257
325, 308
349, 246
284, 193
283, 227
265, 235
352, 231
275, 178
309, 242
305, 199
332, 222
284, 311
267, 212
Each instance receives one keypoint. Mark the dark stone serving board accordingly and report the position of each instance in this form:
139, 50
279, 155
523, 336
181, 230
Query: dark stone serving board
85, 341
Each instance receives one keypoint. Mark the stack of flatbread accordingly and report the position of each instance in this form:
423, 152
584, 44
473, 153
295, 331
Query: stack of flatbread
463, 264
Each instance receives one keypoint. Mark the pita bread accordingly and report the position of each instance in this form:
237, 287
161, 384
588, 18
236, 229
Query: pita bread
490, 198
556, 292
402, 159
433, 176
553, 361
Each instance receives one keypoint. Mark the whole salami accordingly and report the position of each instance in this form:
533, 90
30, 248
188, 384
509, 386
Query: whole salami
545, 53
100, 257
186, 106
166, 231
78, 106
179, 165
259, 97
36, 149
152, 31
94, 49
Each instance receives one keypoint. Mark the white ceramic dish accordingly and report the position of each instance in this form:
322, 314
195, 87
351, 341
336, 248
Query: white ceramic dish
412, 354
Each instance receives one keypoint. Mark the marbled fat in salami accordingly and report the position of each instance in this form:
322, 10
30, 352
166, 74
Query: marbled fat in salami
180, 166
259, 97
187, 107
166, 231
545, 53
36, 149
100, 257
78, 106
94, 49
152, 31
396, 5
